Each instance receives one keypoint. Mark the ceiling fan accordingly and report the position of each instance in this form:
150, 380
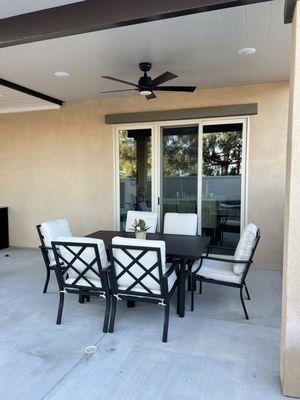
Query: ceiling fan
146, 86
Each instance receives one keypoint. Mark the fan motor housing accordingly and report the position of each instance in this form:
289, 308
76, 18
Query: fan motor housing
145, 66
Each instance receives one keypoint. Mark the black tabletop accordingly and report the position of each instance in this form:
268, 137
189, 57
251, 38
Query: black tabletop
179, 246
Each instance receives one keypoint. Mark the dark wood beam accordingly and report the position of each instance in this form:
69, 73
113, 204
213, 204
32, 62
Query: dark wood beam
289, 8
30, 92
96, 15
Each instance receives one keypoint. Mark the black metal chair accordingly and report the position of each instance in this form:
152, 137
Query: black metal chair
81, 268
48, 231
218, 270
139, 273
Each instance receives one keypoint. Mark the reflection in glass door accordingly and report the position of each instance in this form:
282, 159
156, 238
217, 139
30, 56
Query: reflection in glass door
179, 169
135, 166
222, 183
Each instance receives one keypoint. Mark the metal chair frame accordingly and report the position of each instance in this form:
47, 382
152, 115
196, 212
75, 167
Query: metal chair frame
195, 277
44, 250
63, 266
130, 293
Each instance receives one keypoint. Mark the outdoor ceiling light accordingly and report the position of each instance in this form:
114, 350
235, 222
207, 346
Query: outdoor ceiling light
61, 74
247, 51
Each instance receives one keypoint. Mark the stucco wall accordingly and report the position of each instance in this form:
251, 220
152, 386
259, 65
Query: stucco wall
59, 163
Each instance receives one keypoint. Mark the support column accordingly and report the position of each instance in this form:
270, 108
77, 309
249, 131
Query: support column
290, 326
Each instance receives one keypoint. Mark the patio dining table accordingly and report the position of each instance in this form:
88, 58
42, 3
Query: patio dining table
182, 247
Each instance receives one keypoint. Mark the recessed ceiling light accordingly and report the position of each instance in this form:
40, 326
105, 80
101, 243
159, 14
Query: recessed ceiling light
247, 51
61, 74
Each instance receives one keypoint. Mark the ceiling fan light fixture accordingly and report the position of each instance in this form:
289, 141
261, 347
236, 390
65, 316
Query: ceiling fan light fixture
145, 92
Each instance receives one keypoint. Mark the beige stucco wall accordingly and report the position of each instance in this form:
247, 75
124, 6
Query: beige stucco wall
59, 163
290, 327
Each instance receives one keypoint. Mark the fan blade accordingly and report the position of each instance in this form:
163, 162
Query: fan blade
114, 91
119, 80
151, 96
165, 77
175, 88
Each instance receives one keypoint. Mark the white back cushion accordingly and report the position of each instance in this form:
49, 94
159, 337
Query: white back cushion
148, 260
149, 217
244, 247
52, 230
88, 255
180, 224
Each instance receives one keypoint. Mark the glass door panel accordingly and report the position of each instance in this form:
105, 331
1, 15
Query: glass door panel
179, 170
135, 171
222, 183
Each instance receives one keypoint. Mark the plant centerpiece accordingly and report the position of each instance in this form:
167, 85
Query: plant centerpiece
140, 228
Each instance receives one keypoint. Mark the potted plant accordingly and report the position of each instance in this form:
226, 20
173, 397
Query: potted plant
140, 228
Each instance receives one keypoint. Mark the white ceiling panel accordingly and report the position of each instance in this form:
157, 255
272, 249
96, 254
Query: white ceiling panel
13, 101
201, 49
10, 8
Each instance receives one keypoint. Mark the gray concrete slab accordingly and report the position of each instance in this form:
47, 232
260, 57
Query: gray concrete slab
213, 353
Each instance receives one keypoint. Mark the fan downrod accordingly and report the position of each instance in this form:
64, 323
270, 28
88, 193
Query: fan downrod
145, 66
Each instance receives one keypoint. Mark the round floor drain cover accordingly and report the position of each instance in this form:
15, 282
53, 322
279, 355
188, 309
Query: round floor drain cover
91, 349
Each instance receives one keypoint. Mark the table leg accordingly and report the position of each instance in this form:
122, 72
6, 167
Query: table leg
181, 288
130, 304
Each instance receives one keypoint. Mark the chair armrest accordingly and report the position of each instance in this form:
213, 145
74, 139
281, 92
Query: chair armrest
172, 268
230, 260
45, 248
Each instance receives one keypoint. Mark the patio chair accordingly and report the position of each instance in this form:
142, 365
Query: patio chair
149, 217
49, 231
81, 268
139, 272
228, 270
180, 224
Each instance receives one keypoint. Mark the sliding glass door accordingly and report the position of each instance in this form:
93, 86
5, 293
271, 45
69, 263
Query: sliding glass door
189, 167
179, 185
134, 172
222, 168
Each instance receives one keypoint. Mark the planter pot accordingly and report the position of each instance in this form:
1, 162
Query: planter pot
140, 235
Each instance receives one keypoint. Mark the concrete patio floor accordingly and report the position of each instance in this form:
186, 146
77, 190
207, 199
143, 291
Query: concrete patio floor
213, 353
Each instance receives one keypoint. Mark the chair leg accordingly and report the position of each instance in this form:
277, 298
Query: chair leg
47, 281
113, 315
81, 298
246, 288
60, 308
192, 290
243, 303
178, 299
107, 312
200, 287
166, 323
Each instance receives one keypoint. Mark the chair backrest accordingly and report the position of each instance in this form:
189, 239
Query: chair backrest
149, 217
180, 224
81, 261
137, 267
246, 247
50, 231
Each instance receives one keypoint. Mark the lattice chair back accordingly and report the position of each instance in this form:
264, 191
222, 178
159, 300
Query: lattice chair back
83, 261
51, 230
149, 217
138, 267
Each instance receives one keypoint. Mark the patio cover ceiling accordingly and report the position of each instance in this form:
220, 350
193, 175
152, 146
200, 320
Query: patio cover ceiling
201, 47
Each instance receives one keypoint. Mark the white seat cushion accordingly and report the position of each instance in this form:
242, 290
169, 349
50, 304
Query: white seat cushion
218, 270
52, 230
88, 255
148, 260
244, 248
180, 224
149, 217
